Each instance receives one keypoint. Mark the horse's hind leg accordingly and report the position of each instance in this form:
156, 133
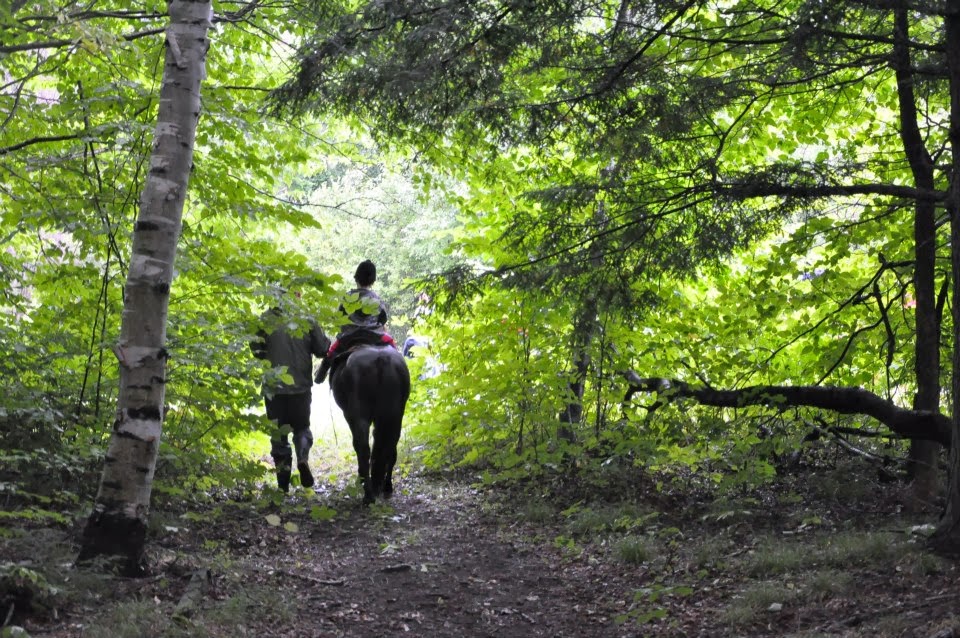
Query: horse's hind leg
385, 439
391, 460
361, 445
388, 477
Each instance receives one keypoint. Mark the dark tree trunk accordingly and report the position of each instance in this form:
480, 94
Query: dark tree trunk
573, 412
583, 331
946, 538
923, 454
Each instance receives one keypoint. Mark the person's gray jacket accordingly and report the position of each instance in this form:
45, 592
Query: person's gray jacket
283, 345
365, 311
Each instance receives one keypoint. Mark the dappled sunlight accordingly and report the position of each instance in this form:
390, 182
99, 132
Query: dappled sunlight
332, 458
331, 434
672, 282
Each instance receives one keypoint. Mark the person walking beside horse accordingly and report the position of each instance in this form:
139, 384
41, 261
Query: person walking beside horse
285, 344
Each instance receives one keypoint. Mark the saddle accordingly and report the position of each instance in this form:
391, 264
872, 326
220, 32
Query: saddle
355, 341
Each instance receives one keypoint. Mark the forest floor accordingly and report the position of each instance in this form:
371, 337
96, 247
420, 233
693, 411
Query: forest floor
821, 552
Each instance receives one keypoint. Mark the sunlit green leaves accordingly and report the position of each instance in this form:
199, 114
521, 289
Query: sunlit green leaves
81, 109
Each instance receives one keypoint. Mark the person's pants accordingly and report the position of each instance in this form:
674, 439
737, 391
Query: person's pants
291, 413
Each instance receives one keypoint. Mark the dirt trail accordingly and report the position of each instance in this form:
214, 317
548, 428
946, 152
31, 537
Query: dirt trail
431, 565
443, 560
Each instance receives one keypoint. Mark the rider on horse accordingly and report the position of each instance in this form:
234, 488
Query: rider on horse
366, 315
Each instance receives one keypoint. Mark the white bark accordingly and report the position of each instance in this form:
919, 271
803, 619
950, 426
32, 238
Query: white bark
117, 525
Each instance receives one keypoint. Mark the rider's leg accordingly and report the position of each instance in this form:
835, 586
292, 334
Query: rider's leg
326, 362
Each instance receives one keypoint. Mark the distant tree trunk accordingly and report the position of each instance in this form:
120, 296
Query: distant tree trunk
584, 329
118, 524
923, 454
947, 535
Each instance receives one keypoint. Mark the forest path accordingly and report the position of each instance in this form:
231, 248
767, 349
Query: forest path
436, 560
822, 551
444, 559
431, 563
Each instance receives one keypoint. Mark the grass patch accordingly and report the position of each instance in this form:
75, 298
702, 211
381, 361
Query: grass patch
623, 517
590, 521
710, 553
253, 603
537, 511
772, 558
893, 625
826, 584
141, 619
921, 563
843, 549
231, 616
755, 602
635, 550
731, 512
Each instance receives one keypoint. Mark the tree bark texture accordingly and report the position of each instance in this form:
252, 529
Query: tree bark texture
911, 424
947, 535
117, 525
923, 454
584, 330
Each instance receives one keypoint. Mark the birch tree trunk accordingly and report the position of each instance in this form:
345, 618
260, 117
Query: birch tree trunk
118, 524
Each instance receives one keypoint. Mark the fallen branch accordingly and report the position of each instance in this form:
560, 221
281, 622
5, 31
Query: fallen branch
336, 582
909, 424
883, 462
853, 449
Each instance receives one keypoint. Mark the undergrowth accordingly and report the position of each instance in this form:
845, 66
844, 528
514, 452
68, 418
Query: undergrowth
771, 555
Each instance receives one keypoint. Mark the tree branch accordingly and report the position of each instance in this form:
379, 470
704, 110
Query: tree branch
59, 44
747, 190
4, 150
910, 424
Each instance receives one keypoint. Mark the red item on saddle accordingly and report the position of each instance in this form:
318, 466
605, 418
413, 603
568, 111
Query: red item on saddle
333, 348
384, 338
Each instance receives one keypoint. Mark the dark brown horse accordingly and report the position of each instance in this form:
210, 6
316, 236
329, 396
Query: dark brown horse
372, 388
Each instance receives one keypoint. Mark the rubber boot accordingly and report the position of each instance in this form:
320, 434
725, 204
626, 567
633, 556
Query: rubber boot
302, 442
306, 477
283, 476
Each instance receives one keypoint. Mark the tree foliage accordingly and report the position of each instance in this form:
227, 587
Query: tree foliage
732, 195
80, 101
616, 153
680, 117
370, 204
